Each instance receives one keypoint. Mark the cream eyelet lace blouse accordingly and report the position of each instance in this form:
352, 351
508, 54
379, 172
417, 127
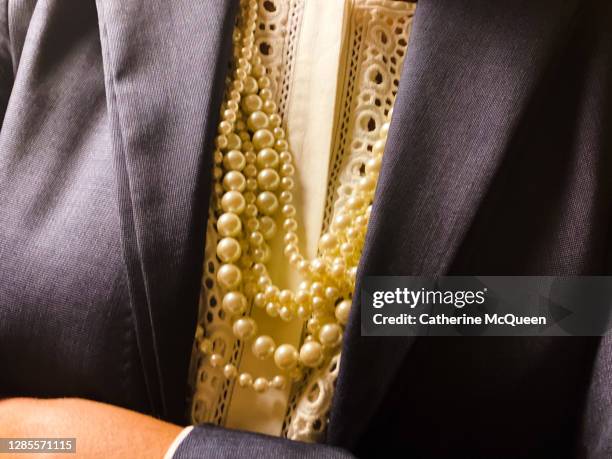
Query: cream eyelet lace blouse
335, 67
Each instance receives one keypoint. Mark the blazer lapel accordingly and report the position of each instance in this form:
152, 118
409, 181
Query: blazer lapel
164, 65
470, 72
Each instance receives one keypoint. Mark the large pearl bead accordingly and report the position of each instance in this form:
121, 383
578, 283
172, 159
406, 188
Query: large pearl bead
286, 357
330, 335
229, 224
228, 250
267, 157
252, 103
233, 201
234, 160
229, 276
342, 311
257, 120
263, 347
268, 179
311, 354
244, 328
234, 181
234, 303
263, 138
267, 202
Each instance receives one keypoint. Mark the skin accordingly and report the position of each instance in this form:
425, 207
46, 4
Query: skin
101, 430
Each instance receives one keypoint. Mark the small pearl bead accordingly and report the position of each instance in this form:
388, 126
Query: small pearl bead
275, 120
216, 360
328, 241
230, 371
229, 276
285, 314
260, 385
263, 347
268, 227
259, 300
311, 354
287, 170
263, 138
256, 239
331, 293
272, 309
302, 297
278, 382
341, 221
286, 357
330, 335
343, 310
233, 201
205, 346
269, 107
245, 380
233, 141
355, 202
264, 82
290, 224
302, 312
287, 183
244, 328
384, 130
265, 94
229, 224
228, 250
281, 145
234, 160
336, 271
221, 142
317, 265
367, 183
225, 127
379, 147
234, 303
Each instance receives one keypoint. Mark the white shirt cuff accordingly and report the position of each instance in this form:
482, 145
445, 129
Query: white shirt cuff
177, 441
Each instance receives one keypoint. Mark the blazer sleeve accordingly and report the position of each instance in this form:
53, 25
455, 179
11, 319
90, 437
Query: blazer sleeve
6, 63
213, 442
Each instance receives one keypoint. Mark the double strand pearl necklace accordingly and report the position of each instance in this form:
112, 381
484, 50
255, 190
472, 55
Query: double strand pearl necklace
253, 181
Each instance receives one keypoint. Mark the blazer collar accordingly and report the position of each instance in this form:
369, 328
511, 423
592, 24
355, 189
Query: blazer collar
471, 71
164, 66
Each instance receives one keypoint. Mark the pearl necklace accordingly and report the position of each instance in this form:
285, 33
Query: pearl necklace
253, 181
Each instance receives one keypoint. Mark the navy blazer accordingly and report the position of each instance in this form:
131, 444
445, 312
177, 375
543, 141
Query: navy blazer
498, 162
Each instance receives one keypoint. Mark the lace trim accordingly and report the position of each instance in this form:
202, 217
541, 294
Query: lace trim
276, 36
378, 31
